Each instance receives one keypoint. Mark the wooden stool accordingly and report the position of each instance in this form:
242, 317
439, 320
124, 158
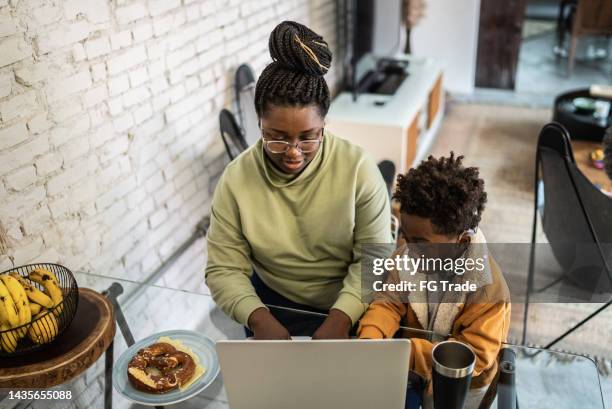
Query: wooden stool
90, 335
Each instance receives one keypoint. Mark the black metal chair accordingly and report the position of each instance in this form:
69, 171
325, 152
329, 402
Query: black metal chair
387, 169
245, 99
231, 134
577, 221
503, 386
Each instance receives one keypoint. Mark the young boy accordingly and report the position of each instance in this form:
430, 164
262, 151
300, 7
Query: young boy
441, 201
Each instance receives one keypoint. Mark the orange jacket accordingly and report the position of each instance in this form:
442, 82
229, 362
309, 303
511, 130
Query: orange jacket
480, 323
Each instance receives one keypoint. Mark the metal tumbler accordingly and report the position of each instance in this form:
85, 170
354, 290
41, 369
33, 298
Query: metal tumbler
453, 364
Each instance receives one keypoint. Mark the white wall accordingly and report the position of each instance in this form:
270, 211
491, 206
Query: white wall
109, 146
449, 33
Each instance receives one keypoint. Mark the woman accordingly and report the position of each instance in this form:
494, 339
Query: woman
289, 214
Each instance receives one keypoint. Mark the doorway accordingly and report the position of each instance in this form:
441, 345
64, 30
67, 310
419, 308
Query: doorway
524, 47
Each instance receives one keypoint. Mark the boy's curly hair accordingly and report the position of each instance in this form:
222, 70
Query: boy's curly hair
607, 147
445, 192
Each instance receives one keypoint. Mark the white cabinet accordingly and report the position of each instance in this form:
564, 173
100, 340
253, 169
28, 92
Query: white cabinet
399, 127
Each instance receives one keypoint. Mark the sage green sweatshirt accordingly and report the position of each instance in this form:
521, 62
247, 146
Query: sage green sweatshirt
301, 234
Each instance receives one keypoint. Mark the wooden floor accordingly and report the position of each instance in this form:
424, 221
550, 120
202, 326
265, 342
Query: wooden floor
501, 141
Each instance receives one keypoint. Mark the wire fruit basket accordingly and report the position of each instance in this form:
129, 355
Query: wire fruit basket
58, 295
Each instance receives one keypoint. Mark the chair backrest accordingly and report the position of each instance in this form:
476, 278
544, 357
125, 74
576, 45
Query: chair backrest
231, 134
503, 385
387, 169
395, 226
576, 217
245, 97
593, 17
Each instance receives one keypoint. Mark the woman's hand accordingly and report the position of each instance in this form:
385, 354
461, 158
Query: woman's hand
265, 326
337, 325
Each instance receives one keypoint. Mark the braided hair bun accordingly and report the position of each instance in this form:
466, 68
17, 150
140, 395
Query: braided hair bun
298, 48
295, 77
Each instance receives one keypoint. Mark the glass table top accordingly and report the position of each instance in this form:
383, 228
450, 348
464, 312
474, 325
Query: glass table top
544, 378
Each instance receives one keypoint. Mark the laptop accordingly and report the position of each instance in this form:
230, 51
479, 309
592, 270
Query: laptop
306, 374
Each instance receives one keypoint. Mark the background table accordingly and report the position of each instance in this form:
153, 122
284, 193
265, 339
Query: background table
579, 126
582, 151
545, 379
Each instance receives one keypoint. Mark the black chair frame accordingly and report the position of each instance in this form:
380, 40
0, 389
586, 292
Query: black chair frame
231, 134
569, 159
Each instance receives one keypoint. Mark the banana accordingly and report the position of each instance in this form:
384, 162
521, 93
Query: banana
47, 279
9, 339
33, 293
21, 301
8, 310
35, 308
44, 271
44, 328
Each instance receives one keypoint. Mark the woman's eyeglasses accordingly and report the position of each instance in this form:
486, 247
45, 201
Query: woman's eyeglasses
305, 146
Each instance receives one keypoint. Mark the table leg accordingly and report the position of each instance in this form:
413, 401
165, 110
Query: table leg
108, 378
112, 293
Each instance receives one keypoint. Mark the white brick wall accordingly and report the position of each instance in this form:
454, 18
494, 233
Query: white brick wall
109, 146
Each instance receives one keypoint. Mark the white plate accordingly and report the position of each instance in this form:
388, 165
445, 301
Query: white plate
201, 345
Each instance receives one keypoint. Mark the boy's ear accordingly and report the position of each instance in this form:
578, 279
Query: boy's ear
465, 238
